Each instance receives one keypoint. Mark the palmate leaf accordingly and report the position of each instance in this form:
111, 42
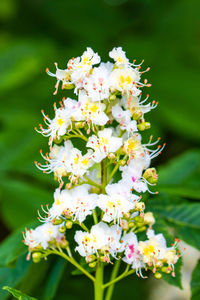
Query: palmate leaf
195, 282
18, 294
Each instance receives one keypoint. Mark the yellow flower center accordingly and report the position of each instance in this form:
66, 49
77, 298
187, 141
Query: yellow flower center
132, 144
57, 201
60, 121
85, 161
149, 250
76, 160
125, 80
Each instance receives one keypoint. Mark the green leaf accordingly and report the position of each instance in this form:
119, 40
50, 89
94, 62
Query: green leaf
195, 282
23, 199
18, 294
190, 235
12, 276
11, 248
183, 214
53, 279
181, 176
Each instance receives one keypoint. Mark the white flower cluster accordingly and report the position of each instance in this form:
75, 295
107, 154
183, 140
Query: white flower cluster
104, 122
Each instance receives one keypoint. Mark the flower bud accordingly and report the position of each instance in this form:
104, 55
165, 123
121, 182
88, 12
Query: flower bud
141, 228
79, 125
127, 215
36, 257
64, 243
105, 249
122, 162
62, 229
158, 275
90, 258
138, 219
150, 175
68, 86
112, 97
137, 115
68, 224
111, 156
57, 221
143, 126
139, 206
124, 224
149, 218
165, 270
92, 264
68, 186
131, 224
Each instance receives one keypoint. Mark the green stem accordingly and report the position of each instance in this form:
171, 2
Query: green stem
113, 276
98, 290
91, 182
75, 263
113, 172
76, 136
123, 275
95, 216
103, 175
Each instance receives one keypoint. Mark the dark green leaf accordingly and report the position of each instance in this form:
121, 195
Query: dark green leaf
18, 294
183, 214
11, 248
180, 176
53, 279
195, 282
12, 276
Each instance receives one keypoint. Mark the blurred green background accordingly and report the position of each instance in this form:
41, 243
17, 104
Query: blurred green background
36, 33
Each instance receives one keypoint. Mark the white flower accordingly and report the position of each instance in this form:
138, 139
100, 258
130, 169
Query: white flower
116, 203
80, 67
133, 146
78, 164
56, 160
132, 254
77, 203
92, 111
152, 249
83, 203
62, 121
101, 237
123, 117
124, 80
66, 159
135, 106
61, 75
42, 235
97, 84
132, 175
89, 243
103, 144
119, 56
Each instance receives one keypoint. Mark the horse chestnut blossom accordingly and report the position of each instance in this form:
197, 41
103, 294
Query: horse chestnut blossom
102, 168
